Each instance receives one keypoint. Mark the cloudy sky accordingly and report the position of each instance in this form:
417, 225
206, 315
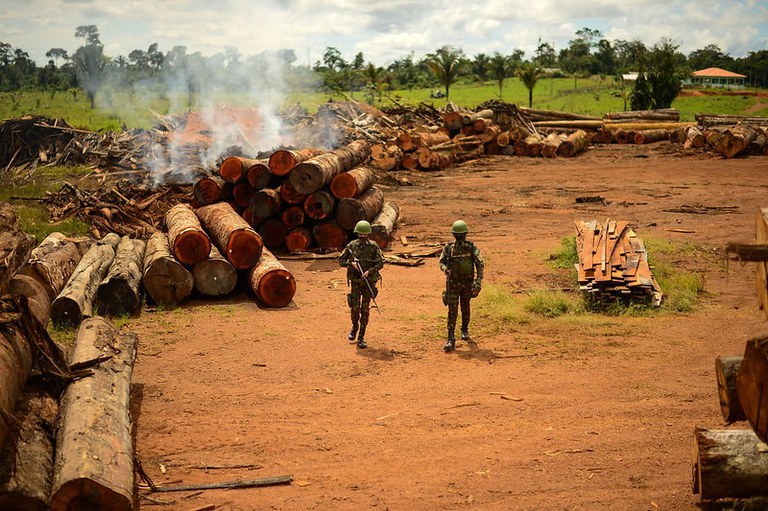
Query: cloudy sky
383, 30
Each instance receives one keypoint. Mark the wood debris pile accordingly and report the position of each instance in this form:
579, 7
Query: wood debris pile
613, 262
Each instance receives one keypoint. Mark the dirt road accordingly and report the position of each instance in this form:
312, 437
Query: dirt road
579, 412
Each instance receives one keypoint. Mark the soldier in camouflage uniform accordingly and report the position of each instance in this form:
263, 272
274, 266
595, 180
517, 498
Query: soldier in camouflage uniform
368, 253
463, 268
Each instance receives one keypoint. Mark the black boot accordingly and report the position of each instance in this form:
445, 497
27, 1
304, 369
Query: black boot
353, 332
450, 344
464, 333
361, 338
355, 316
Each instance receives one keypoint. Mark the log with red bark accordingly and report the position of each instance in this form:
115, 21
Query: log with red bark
94, 448
602, 136
386, 157
410, 161
234, 169
266, 203
272, 232
119, 292
211, 189
214, 276
353, 182
283, 161
15, 246
272, 283
186, 236
54, 260
453, 120
489, 134
384, 223
726, 372
408, 142
26, 460
236, 240
292, 217
75, 302
729, 464
574, 144
259, 175
313, 174
242, 193
648, 136
329, 234
659, 114
366, 207
752, 385
298, 239
735, 141
622, 137
290, 195
319, 205
166, 280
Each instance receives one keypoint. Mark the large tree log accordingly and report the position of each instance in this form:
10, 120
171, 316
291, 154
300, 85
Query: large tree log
384, 223
410, 161
119, 292
727, 371
266, 203
272, 283
660, 114
298, 239
75, 302
166, 280
53, 262
94, 448
211, 189
237, 240
574, 144
37, 297
408, 142
186, 236
313, 174
735, 141
551, 144
761, 236
386, 158
759, 144
729, 464
26, 462
242, 193
453, 120
15, 246
273, 232
752, 385
235, 168
352, 210
214, 276
329, 234
648, 136
353, 182
536, 114
289, 195
259, 175
15, 366
293, 217
694, 137
283, 161
319, 205
728, 120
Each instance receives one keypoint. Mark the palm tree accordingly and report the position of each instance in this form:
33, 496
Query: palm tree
529, 74
446, 64
501, 67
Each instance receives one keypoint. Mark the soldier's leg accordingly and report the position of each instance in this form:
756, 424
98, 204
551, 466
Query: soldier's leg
365, 313
464, 297
353, 299
452, 300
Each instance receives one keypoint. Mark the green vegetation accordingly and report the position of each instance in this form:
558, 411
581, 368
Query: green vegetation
567, 255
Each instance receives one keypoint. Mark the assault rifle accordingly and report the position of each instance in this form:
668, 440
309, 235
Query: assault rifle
356, 265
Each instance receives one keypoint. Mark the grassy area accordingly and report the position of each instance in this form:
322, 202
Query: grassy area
593, 96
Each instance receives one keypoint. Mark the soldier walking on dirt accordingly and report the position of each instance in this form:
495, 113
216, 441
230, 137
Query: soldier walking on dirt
363, 259
463, 268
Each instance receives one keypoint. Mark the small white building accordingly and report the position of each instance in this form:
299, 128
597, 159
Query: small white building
716, 77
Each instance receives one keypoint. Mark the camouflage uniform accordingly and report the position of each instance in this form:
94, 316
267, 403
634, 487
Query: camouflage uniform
463, 266
359, 298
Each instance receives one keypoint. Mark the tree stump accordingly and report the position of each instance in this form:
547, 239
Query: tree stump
166, 280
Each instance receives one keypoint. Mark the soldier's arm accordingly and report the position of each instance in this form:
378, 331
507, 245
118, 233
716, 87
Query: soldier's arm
379, 264
479, 265
444, 259
345, 257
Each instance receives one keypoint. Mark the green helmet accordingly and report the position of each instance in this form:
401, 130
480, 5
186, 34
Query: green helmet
460, 227
362, 227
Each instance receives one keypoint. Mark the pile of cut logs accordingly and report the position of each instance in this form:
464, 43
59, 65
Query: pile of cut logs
304, 198
613, 262
733, 463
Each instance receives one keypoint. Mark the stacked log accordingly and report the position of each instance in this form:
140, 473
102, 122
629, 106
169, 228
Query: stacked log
237, 240
53, 261
661, 115
189, 242
311, 175
15, 246
214, 276
271, 282
613, 263
384, 223
166, 280
353, 209
119, 292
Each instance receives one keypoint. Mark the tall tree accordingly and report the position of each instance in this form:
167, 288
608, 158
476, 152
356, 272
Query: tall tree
664, 73
641, 98
446, 65
709, 56
89, 61
57, 54
480, 66
545, 55
501, 67
529, 74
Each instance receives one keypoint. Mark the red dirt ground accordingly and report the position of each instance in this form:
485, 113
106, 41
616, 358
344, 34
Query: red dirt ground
585, 412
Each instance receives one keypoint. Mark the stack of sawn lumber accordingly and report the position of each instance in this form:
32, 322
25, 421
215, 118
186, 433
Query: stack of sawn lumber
303, 198
613, 262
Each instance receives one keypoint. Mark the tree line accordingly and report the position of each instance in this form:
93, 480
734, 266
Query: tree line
661, 68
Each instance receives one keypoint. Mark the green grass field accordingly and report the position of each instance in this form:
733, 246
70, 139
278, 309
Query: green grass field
593, 96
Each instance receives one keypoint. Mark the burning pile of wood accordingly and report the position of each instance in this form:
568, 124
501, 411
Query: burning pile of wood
613, 263
299, 199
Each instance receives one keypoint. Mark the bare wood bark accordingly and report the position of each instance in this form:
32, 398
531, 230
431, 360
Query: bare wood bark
490, 134
384, 223
353, 182
214, 276
735, 141
352, 210
726, 371
273, 232
386, 158
15, 246
26, 472
272, 283
15, 366
649, 136
236, 240
551, 144
536, 114
54, 260
533, 144
453, 120
502, 139
211, 189
728, 464
761, 236
186, 236
298, 239
693, 136
313, 174
259, 175
661, 114
292, 217
759, 144
235, 168
319, 205
284, 160
75, 302
94, 449
752, 385
410, 161
574, 144
119, 293
266, 203
408, 142
166, 280
36, 294
329, 234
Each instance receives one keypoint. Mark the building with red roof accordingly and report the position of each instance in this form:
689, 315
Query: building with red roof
716, 77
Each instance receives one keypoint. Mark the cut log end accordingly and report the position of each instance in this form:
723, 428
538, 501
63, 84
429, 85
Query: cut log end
344, 185
84, 493
277, 288
231, 169
244, 248
65, 312
191, 247
116, 298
